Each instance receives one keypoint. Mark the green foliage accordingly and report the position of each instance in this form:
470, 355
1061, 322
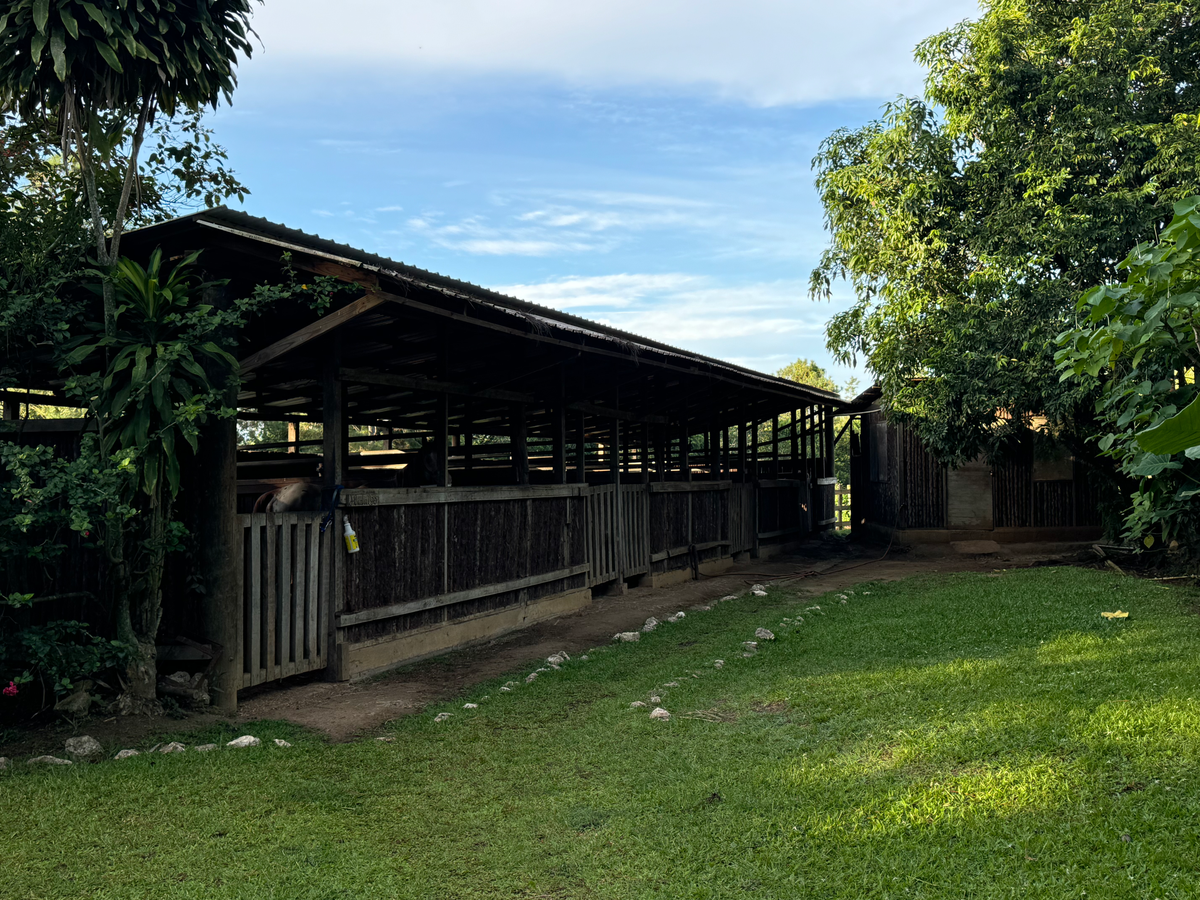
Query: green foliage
112, 54
46, 505
58, 654
1052, 136
805, 371
45, 499
155, 392
1137, 346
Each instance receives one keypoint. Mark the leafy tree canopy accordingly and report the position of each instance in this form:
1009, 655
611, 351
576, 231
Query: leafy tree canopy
805, 371
1052, 136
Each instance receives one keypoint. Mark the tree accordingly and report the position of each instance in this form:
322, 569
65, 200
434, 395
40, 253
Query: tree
805, 371
1137, 347
101, 71
1052, 136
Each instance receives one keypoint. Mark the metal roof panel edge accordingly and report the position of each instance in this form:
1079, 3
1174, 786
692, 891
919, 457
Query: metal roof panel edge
255, 228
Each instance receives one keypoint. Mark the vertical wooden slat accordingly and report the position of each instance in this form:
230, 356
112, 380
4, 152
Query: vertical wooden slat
286, 593
254, 625
271, 599
313, 593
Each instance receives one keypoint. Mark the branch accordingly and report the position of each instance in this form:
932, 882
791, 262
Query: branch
139, 134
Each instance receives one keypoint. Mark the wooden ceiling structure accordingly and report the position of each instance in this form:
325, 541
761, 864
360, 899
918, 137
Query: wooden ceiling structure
412, 349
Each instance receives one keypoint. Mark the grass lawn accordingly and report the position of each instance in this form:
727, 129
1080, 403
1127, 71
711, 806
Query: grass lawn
953, 736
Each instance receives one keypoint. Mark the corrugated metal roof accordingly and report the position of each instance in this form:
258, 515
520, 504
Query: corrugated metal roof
252, 227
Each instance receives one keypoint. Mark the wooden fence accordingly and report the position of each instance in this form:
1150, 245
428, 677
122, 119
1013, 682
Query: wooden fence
285, 593
436, 556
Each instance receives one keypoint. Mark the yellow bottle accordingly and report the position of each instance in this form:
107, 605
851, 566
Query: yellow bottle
351, 539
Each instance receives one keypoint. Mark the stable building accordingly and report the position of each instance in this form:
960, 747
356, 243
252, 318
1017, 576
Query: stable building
558, 458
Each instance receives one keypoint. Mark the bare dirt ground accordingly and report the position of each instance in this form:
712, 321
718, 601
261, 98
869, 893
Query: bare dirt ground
344, 711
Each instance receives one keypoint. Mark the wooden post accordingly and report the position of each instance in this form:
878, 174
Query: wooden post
741, 435
645, 454
219, 535
795, 444
685, 452
559, 439
441, 437
293, 436
468, 438
754, 473
618, 514
714, 453
827, 435
581, 449
334, 437
520, 447
660, 452
11, 409
775, 446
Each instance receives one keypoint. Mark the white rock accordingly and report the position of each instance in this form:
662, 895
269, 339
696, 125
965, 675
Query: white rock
727, 598
677, 617
637, 704
173, 747
558, 658
387, 739
470, 706
83, 747
812, 608
651, 624
759, 593
246, 740
280, 742
757, 587
204, 748
50, 761
126, 754
763, 634
654, 698
5, 762
627, 636
701, 608
750, 645
506, 689
543, 669
843, 602
719, 664
660, 714
671, 684
531, 677
583, 658
441, 717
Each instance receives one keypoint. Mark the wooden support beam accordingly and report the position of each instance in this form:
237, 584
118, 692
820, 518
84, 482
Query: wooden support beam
441, 438
520, 447
581, 448
319, 328
618, 513
559, 442
333, 419
685, 453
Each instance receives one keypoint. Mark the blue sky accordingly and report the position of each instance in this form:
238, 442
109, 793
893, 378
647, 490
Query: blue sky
641, 164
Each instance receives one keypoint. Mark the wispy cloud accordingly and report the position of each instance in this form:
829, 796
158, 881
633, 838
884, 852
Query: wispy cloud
764, 51
763, 325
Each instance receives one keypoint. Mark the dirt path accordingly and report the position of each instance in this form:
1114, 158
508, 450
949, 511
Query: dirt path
344, 711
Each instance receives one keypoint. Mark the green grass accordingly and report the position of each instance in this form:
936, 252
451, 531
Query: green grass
947, 737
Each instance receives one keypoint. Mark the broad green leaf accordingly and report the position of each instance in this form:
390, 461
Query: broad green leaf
41, 15
1175, 434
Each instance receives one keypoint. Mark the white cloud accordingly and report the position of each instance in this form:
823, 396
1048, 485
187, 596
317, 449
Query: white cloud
763, 325
764, 51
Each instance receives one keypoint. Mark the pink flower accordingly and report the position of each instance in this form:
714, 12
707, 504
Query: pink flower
11, 690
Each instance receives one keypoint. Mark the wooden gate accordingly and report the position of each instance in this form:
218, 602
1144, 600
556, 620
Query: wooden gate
285, 595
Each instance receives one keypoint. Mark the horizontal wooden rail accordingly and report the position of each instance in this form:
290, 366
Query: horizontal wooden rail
407, 496
402, 609
688, 487
681, 551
